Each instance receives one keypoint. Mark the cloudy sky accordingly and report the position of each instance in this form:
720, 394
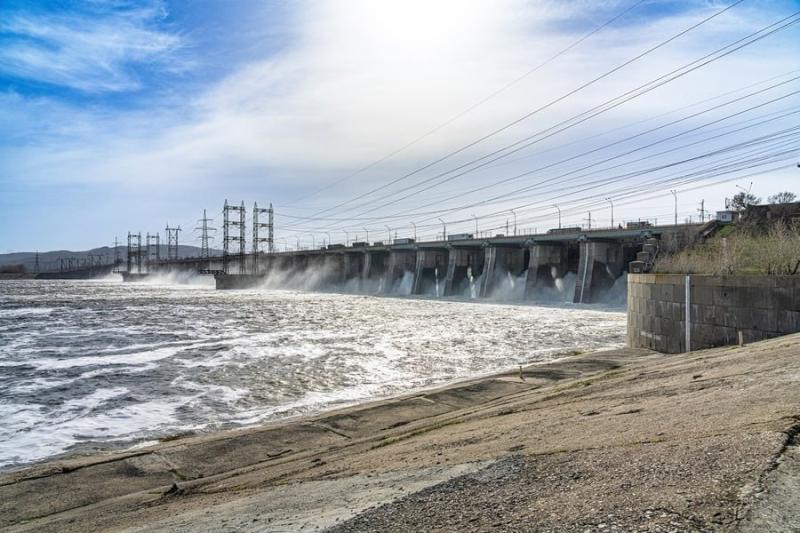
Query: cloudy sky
356, 116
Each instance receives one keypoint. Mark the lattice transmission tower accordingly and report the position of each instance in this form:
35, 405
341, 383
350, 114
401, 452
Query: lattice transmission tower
172, 242
153, 250
134, 252
257, 238
228, 238
204, 228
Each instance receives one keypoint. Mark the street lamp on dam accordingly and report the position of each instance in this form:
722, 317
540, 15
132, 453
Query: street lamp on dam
610, 201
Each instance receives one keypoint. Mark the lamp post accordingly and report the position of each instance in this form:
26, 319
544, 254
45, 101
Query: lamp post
515, 220
675, 195
365, 229
444, 229
415, 231
559, 215
610, 201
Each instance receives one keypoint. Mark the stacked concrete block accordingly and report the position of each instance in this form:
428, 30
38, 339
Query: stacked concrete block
759, 307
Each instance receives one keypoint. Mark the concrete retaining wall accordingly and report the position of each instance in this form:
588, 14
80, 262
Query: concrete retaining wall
760, 307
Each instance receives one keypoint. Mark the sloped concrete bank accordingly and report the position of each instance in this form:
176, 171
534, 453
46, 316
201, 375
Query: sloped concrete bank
621, 440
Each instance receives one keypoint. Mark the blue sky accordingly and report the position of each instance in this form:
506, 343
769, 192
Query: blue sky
125, 115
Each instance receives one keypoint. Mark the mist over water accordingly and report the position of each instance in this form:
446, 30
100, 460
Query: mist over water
88, 365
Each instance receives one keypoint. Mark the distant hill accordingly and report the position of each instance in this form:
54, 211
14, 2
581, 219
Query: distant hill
51, 260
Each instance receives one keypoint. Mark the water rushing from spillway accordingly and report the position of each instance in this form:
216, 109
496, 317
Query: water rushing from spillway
99, 364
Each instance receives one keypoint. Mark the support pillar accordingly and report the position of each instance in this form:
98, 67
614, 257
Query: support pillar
429, 271
460, 263
547, 263
600, 264
400, 262
500, 264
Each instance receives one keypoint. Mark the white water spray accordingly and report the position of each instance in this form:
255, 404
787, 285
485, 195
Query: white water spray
472, 293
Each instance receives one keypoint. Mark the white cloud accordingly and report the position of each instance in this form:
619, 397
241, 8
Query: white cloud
358, 79
93, 51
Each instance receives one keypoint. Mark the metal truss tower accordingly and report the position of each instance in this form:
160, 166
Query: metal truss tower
153, 250
134, 252
204, 228
257, 239
172, 242
228, 238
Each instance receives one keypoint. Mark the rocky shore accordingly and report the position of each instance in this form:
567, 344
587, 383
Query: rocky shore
625, 440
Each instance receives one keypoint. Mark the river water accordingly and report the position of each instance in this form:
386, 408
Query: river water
87, 365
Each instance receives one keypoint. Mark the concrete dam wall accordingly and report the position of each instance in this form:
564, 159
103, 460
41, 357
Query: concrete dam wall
720, 308
576, 271
563, 265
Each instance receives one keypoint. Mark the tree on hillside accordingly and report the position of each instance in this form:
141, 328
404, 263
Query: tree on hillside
743, 199
784, 197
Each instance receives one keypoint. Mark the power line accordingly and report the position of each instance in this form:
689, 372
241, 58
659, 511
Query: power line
537, 110
473, 106
618, 156
564, 125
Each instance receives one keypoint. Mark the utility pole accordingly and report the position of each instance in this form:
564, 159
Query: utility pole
514, 214
444, 229
365, 229
476, 226
589, 220
702, 211
172, 242
390, 234
204, 229
610, 201
559, 215
36, 263
413, 225
271, 229
256, 238
129, 254
117, 258
675, 195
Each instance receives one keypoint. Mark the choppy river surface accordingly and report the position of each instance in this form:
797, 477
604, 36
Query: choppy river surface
98, 364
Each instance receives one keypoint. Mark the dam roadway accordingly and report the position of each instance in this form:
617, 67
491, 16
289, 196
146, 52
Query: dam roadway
460, 265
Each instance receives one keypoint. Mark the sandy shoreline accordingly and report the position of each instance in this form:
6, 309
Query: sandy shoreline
622, 439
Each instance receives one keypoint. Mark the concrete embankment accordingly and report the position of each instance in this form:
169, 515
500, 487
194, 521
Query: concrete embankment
626, 439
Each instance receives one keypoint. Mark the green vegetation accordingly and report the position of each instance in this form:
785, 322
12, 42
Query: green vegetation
739, 249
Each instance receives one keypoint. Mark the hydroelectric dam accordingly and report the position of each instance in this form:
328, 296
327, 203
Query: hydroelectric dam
585, 262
